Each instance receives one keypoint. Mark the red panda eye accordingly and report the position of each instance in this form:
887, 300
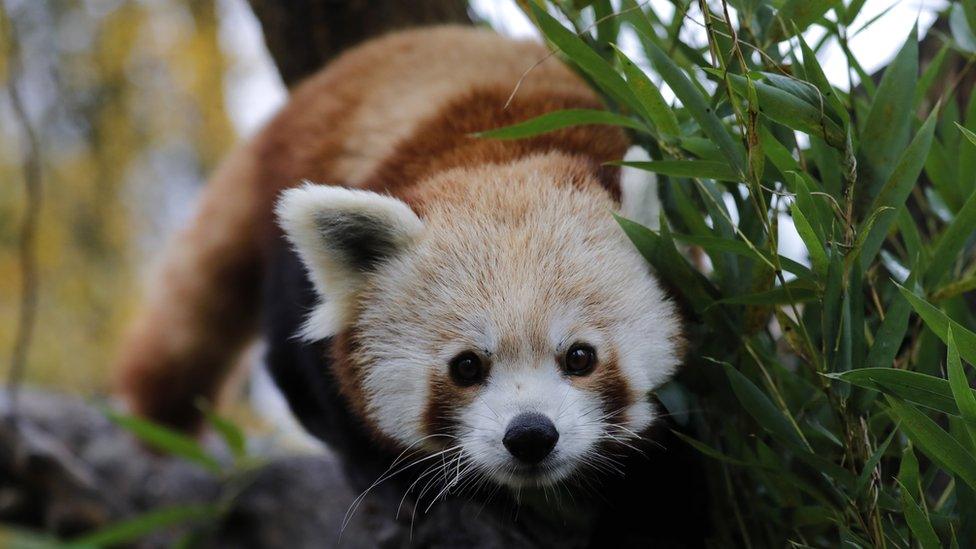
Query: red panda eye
580, 360
466, 369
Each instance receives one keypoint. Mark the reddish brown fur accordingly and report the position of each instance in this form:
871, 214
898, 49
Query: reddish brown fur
446, 398
608, 382
445, 141
204, 305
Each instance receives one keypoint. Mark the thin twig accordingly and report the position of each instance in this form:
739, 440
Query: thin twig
28, 231
592, 25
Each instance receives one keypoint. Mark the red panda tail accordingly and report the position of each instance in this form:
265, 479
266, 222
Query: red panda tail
203, 305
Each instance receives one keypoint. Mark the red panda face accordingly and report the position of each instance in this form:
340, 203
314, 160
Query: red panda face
513, 327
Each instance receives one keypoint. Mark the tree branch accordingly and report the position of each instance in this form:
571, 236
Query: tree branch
32, 187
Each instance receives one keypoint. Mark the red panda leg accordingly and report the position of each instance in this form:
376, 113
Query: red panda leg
203, 302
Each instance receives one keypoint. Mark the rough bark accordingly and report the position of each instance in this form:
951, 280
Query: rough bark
302, 35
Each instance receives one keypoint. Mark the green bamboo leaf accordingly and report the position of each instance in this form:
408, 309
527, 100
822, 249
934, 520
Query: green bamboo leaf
777, 153
941, 169
908, 473
966, 132
865, 477
930, 74
780, 295
917, 251
711, 452
702, 169
762, 409
870, 22
888, 123
231, 434
918, 523
800, 89
645, 240
817, 77
166, 440
792, 111
815, 249
607, 25
659, 251
852, 10
865, 231
653, 106
937, 444
961, 391
939, 323
738, 247
557, 120
584, 57
891, 333
697, 106
929, 391
915, 515
898, 187
797, 15
955, 288
133, 530
952, 242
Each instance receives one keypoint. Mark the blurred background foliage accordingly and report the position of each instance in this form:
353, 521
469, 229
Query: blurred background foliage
127, 101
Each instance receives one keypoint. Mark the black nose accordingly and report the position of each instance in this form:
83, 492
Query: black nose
530, 437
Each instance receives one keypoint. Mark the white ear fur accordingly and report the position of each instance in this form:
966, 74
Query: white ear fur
340, 234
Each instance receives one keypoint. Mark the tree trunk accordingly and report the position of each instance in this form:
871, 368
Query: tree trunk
303, 35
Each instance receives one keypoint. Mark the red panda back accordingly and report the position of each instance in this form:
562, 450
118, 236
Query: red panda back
381, 116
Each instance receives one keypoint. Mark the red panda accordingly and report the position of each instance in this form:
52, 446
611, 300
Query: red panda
468, 295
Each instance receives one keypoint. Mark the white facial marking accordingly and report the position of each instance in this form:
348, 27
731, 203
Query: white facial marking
527, 388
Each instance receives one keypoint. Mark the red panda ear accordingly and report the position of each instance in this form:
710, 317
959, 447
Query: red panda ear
341, 235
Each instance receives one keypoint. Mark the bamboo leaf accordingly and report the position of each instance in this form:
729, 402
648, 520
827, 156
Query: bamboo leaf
792, 111
762, 409
231, 434
966, 132
702, 169
797, 15
697, 106
816, 76
659, 252
654, 108
932, 71
937, 444
929, 391
939, 323
711, 452
890, 335
558, 120
584, 57
719, 244
139, 527
865, 477
915, 515
815, 249
897, 188
889, 120
952, 242
777, 296
166, 440
961, 391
